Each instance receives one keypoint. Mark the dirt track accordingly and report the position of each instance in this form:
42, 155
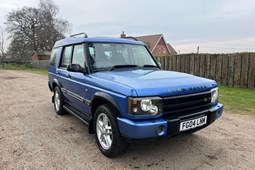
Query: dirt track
32, 136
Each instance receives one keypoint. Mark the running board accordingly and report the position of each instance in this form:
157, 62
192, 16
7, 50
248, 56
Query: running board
77, 115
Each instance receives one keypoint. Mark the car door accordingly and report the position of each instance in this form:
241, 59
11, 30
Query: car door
79, 87
63, 74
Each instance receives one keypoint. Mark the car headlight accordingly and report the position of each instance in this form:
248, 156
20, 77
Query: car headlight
214, 95
147, 105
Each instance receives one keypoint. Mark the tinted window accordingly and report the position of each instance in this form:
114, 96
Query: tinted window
53, 57
78, 55
66, 57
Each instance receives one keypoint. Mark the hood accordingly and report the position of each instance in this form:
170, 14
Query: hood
158, 82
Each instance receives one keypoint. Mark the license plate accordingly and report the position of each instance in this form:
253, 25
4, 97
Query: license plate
191, 124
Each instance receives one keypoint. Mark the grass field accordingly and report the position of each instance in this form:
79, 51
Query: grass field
238, 100
235, 100
24, 68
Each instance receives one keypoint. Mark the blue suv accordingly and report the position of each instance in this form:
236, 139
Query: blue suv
117, 88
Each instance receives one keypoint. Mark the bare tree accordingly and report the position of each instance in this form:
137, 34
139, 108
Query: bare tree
35, 29
2, 46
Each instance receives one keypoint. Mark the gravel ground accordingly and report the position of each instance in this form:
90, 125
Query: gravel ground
32, 136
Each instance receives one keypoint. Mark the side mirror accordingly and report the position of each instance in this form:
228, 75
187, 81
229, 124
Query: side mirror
75, 68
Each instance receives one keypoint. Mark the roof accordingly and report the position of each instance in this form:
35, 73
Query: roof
42, 53
171, 49
150, 40
76, 40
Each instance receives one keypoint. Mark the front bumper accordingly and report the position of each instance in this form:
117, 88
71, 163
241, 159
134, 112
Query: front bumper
163, 127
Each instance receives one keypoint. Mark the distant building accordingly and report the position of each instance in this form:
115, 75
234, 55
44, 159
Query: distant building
156, 43
40, 55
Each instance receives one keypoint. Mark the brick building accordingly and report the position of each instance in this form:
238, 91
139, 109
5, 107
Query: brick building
156, 43
42, 55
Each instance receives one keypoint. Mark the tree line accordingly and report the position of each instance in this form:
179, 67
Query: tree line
32, 29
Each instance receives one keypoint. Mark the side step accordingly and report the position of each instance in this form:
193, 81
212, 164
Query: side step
86, 119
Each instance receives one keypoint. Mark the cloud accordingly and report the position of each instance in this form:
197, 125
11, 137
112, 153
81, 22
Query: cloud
184, 23
227, 46
233, 10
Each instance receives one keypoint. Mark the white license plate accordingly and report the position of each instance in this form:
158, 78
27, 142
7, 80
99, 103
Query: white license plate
191, 124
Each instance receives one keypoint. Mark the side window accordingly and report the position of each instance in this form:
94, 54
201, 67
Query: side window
53, 57
66, 57
78, 55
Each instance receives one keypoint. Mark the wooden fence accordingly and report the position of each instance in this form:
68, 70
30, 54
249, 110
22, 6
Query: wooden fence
234, 70
40, 64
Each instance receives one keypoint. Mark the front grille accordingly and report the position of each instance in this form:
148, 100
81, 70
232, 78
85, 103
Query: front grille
177, 106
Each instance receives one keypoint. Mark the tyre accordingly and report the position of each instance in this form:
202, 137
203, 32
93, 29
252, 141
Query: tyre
107, 133
58, 101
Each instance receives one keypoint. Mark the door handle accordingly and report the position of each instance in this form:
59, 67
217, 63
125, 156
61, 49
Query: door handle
68, 75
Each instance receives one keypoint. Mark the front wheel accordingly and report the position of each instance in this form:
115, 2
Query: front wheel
58, 101
107, 133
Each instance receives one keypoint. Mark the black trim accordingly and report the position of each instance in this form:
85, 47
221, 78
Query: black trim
187, 95
106, 97
181, 105
76, 96
83, 117
49, 85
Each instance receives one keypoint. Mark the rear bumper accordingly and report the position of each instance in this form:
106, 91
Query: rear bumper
162, 127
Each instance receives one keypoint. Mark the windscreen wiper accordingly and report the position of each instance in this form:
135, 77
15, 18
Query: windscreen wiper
150, 66
122, 66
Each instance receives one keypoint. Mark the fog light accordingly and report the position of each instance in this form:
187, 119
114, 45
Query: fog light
160, 130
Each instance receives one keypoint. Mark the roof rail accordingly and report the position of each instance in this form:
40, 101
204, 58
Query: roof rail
131, 38
85, 35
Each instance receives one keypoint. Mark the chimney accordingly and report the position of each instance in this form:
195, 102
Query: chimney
123, 35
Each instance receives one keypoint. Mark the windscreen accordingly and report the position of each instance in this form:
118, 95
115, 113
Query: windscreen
107, 55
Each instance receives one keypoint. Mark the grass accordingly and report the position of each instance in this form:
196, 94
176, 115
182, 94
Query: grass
24, 67
238, 100
235, 100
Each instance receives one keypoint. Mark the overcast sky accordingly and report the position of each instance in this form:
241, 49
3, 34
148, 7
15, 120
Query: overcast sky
213, 25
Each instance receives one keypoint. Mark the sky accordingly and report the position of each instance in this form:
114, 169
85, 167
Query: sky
216, 26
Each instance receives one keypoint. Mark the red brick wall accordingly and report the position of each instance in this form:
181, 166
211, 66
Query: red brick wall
35, 57
160, 50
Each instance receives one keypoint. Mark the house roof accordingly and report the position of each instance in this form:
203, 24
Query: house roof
171, 49
150, 40
42, 53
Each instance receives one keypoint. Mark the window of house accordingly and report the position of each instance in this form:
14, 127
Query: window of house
164, 50
159, 50
66, 57
78, 55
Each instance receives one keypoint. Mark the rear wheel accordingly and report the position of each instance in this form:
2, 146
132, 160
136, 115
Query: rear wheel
58, 101
107, 133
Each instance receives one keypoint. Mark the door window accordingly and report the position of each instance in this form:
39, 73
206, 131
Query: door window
66, 57
78, 55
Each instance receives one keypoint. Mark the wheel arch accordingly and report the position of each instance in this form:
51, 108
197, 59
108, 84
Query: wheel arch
101, 98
